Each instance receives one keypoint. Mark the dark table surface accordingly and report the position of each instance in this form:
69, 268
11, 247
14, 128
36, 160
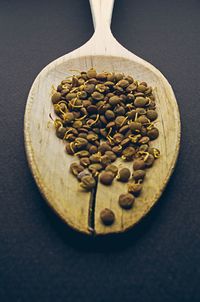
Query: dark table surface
41, 259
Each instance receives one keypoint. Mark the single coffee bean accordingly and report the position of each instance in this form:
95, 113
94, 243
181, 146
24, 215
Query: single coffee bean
97, 96
87, 182
109, 115
135, 126
85, 161
93, 149
124, 175
76, 168
139, 164
153, 133
60, 132
135, 188
56, 97
140, 102
128, 153
144, 140
114, 100
152, 115
126, 201
106, 178
105, 160
122, 83
82, 174
103, 148
149, 160
139, 174
91, 73
112, 168
117, 150
111, 155
142, 119
107, 217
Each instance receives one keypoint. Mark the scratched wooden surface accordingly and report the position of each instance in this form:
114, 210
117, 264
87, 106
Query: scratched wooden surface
45, 152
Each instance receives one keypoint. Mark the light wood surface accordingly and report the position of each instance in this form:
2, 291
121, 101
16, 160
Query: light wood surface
49, 162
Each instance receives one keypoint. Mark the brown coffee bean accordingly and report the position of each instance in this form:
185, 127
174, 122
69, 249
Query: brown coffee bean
114, 100
97, 96
117, 150
110, 125
89, 88
124, 175
85, 161
107, 217
153, 133
112, 168
125, 142
124, 129
141, 111
80, 143
140, 102
139, 174
131, 114
92, 109
119, 121
69, 148
106, 178
141, 88
144, 140
118, 137
94, 168
128, 153
92, 137
103, 148
56, 97
93, 149
76, 168
135, 188
122, 83
111, 155
105, 160
91, 73
139, 164
95, 158
149, 160
60, 132
119, 111
87, 182
109, 115
135, 126
142, 119
126, 201
82, 174
82, 153
152, 115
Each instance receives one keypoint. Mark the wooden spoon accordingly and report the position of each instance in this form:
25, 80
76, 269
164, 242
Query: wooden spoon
45, 152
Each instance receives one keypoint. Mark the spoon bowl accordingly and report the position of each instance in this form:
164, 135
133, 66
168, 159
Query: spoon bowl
45, 152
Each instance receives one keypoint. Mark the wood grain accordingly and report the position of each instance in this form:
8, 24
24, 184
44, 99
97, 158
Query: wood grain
45, 152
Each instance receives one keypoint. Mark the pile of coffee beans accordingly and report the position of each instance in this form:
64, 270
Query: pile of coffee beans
102, 117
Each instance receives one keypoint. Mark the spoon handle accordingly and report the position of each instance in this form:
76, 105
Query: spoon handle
101, 13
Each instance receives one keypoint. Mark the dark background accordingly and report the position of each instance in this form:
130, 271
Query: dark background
40, 258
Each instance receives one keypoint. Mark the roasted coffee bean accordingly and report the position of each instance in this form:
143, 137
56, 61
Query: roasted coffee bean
128, 153
111, 155
76, 168
149, 160
139, 164
153, 133
82, 174
112, 168
109, 115
87, 182
140, 102
135, 188
152, 115
139, 174
56, 97
85, 161
103, 148
126, 201
124, 175
107, 217
106, 178
60, 132
117, 150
